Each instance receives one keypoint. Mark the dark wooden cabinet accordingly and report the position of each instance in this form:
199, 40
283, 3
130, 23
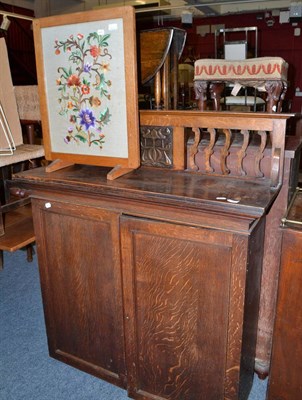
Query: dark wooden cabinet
183, 299
150, 282
286, 364
79, 258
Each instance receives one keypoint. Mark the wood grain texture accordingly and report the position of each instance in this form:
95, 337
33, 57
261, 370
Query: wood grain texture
272, 254
81, 286
18, 229
229, 124
236, 312
179, 297
286, 363
153, 260
152, 57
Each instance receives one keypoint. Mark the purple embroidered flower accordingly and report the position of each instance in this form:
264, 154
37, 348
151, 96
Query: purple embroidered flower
87, 67
87, 118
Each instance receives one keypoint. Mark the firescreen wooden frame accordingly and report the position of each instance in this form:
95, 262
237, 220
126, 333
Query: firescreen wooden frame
74, 82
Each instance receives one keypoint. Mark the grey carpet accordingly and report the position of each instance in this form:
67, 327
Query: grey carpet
26, 370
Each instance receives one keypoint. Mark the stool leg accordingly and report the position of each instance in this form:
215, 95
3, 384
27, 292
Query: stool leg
274, 90
282, 96
1, 260
216, 89
200, 88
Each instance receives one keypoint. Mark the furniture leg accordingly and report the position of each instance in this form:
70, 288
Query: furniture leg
1, 260
175, 81
216, 89
157, 91
30, 133
30, 252
200, 88
282, 97
274, 90
165, 84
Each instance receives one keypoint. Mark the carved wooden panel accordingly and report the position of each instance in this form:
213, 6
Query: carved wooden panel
156, 146
80, 279
215, 139
230, 152
180, 330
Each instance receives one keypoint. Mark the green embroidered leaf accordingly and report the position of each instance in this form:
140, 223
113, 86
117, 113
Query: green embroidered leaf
83, 140
103, 92
102, 78
92, 36
76, 58
103, 40
65, 73
82, 137
85, 82
105, 116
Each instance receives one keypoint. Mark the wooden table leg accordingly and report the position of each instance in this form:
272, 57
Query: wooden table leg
157, 91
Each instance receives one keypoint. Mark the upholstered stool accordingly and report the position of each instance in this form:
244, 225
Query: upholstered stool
267, 74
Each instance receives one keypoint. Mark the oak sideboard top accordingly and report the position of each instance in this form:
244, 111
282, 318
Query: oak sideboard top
178, 188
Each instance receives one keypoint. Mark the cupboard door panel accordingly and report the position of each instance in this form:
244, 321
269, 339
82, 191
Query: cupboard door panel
176, 288
286, 364
81, 285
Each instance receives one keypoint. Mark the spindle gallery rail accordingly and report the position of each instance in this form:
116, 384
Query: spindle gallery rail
220, 142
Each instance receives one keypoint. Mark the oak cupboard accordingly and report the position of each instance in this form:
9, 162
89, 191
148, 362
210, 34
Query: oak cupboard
79, 260
149, 281
184, 311
285, 372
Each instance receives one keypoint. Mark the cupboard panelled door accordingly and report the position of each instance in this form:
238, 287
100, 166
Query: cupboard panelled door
181, 340
79, 262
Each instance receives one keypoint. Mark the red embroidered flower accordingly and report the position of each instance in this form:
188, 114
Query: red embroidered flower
85, 89
95, 51
73, 80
